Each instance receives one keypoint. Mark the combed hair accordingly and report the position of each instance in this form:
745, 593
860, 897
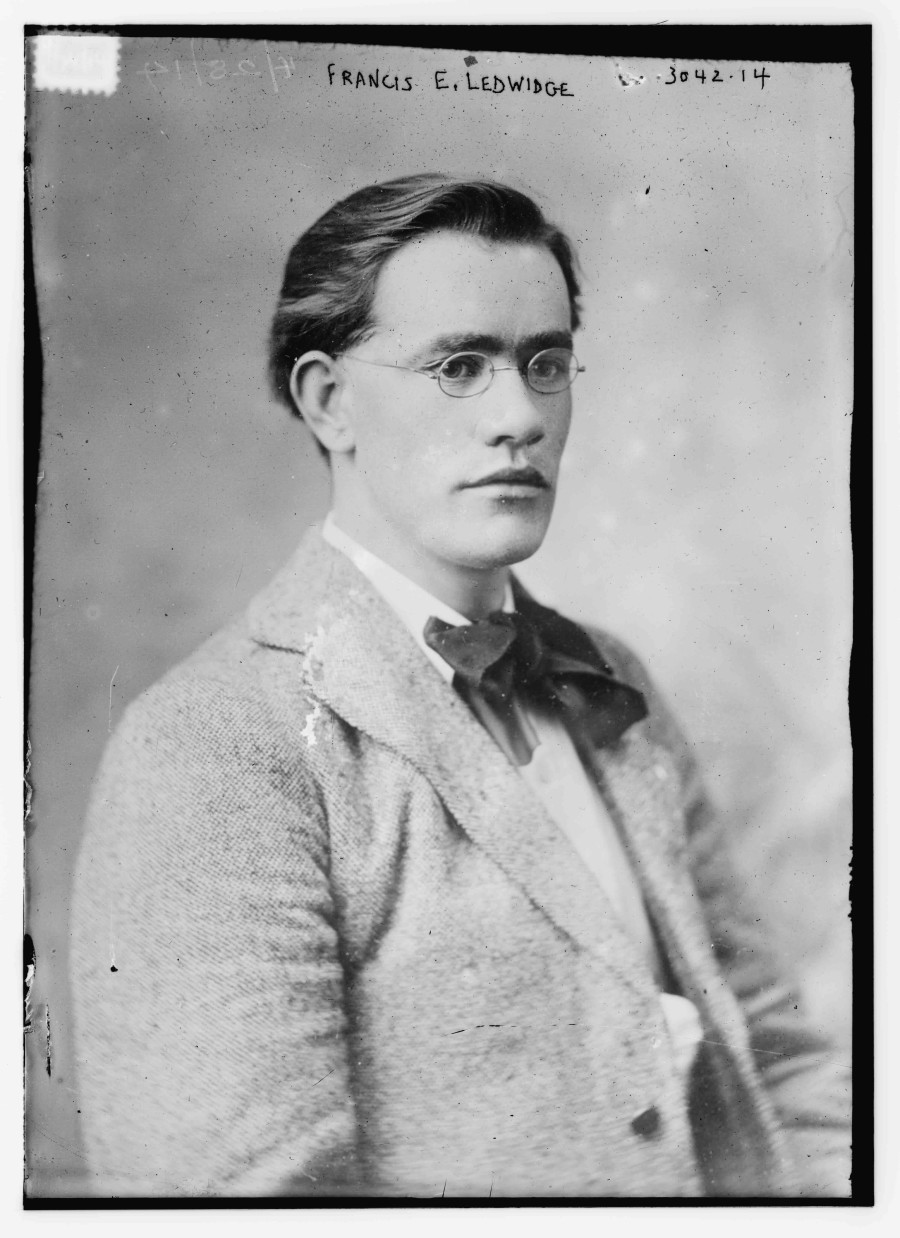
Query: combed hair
331, 272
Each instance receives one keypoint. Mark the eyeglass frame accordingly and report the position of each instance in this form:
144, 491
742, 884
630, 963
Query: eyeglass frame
493, 369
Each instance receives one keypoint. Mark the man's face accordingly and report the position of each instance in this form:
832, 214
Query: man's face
421, 458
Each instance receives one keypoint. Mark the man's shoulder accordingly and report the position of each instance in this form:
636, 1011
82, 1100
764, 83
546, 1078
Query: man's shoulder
211, 760
205, 710
234, 679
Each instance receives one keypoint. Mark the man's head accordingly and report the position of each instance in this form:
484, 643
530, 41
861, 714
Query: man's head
377, 295
330, 277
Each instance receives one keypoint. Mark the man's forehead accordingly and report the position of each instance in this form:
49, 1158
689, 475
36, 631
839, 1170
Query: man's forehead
451, 282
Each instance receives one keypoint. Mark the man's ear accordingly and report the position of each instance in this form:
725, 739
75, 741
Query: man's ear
317, 389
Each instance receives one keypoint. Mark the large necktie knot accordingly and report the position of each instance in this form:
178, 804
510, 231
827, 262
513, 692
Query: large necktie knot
507, 655
494, 655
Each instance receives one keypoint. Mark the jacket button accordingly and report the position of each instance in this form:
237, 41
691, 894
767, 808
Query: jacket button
646, 1123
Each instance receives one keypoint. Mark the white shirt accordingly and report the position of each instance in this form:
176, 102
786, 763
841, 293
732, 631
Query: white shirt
555, 775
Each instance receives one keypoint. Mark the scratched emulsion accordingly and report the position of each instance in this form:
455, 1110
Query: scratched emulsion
29, 961
703, 503
309, 727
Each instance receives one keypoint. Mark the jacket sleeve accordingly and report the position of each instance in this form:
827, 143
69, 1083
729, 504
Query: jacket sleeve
206, 975
807, 1083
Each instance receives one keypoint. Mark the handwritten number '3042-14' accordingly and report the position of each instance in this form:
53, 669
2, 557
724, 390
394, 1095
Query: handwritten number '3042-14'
701, 76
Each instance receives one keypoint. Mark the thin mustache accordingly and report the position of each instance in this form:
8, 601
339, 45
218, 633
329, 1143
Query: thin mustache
527, 476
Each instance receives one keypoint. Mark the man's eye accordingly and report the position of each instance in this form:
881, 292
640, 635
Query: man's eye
463, 366
549, 365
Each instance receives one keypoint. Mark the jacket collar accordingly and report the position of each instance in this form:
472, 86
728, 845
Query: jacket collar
362, 663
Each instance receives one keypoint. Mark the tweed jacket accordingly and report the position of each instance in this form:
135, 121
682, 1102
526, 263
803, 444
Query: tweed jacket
325, 940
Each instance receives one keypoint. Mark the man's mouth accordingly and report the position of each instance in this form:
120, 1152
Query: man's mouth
527, 476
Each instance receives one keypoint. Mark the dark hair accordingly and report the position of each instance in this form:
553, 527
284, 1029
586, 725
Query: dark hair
329, 280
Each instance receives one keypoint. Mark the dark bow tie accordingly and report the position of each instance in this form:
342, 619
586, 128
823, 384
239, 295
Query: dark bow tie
551, 661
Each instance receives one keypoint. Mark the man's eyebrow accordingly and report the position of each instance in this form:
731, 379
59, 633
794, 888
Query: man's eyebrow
446, 345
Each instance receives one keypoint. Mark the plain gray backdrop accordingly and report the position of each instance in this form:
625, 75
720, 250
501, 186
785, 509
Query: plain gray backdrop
704, 506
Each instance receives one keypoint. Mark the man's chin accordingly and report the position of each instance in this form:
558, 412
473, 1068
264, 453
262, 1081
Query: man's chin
505, 541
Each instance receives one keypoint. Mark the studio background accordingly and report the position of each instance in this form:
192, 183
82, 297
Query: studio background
703, 511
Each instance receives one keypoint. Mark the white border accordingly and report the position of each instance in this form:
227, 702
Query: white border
673, 1222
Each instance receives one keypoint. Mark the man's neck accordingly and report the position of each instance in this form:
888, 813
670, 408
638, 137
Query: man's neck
472, 592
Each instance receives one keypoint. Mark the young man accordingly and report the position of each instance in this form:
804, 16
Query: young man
403, 884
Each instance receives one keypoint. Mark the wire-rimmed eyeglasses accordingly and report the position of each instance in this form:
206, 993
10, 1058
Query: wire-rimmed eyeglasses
549, 372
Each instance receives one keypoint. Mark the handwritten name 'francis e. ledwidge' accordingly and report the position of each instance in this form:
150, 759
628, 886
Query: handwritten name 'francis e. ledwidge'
486, 83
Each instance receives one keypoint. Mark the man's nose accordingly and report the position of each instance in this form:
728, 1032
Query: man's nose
511, 410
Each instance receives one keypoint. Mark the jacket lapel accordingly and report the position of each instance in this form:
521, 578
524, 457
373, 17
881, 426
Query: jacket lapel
638, 780
361, 662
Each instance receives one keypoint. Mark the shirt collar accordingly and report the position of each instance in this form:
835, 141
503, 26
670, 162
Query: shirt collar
411, 603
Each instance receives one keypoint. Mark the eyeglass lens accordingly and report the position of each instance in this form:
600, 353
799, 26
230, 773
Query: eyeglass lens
470, 373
